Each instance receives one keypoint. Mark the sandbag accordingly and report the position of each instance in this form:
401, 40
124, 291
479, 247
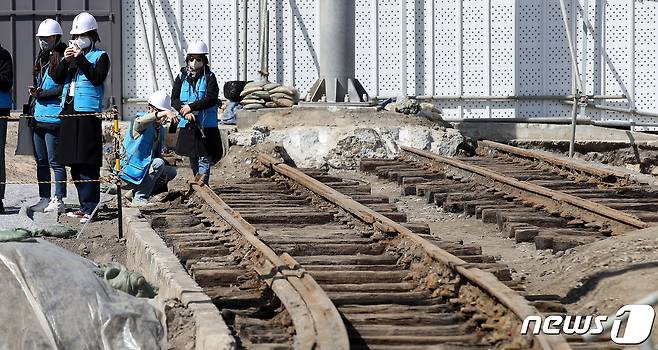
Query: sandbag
264, 95
248, 101
53, 299
270, 86
253, 106
246, 91
133, 283
285, 90
284, 102
271, 104
282, 95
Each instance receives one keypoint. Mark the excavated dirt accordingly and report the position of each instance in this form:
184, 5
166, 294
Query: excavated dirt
641, 158
180, 326
594, 279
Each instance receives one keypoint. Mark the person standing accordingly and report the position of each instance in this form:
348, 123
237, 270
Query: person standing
6, 83
142, 166
83, 72
195, 95
47, 97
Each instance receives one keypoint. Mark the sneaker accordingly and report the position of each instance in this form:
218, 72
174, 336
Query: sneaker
40, 206
55, 205
85, 219
129, 195
137, 203
76, 214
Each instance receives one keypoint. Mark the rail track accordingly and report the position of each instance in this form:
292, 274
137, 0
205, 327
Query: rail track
296, 258
532, 197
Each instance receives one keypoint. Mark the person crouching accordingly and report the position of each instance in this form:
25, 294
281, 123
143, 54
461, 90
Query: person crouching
142, 165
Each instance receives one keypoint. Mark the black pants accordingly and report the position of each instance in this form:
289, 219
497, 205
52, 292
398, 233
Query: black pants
89, 193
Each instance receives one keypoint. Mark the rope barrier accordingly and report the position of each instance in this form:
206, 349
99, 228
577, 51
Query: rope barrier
106, 179
102, 115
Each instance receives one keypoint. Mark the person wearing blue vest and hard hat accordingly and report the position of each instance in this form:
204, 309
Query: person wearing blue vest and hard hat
142, 164
47, 97
83, 72
6, 103
195, 95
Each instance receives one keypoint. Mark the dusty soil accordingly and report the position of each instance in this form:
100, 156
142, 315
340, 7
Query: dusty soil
180, 326
99, 241
593, 279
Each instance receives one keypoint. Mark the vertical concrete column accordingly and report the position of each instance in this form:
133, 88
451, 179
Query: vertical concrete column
337, 54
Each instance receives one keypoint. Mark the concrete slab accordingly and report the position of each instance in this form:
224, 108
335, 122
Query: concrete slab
150, 256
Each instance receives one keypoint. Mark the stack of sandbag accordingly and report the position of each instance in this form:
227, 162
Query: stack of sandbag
263, 94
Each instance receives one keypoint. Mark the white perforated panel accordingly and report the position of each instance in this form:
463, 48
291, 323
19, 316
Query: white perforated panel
365, 64
454, 47
389, 47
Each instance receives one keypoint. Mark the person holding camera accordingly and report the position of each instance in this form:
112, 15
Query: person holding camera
83, 72
47, 96
6, 103
195, 95
142, 165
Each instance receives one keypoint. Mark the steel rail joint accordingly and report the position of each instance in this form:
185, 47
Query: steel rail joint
485, 280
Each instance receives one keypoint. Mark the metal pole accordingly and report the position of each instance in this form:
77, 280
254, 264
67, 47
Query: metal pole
576, 72
243, 37
117, 165
403, 46
158, 35
148, 48
264, 37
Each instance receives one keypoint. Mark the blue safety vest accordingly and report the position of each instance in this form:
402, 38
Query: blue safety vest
87, 97
50, 107
5, 99
206, 118
139, 153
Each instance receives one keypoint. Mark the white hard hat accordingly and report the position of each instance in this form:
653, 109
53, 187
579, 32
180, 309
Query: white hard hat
197, 48
84, 22
161, 100
49, 27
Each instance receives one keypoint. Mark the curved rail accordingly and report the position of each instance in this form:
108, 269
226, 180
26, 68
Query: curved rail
616, 220
317, 321
484, 280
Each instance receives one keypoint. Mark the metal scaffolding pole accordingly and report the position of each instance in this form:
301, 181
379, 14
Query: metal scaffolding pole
243, 38
579, 83
158, 35
149, 57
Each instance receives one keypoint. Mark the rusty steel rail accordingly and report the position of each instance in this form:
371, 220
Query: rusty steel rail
566, 163
318, 324
554, 201
484, 280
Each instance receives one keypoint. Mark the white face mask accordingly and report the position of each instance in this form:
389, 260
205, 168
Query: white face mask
46, 45
83, 42
194, 64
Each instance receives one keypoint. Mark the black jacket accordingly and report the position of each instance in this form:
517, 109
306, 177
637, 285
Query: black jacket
81, 138
212, 91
